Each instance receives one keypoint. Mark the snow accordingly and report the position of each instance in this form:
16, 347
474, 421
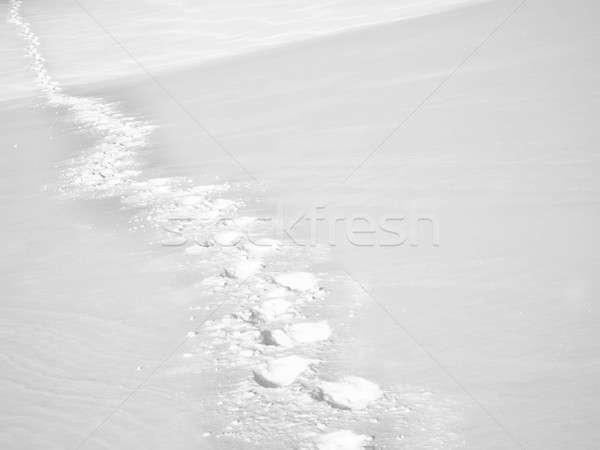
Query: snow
297, 281
271, 310
349, 392
261, 247
174, 241
282, 371
276, 337
196, 249
214, 281
244, 269
308, 332
223, 203
228, 238
342, 440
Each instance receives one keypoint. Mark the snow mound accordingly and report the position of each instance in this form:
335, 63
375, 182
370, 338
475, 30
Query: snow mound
271, 310
244, 269
349, 392
282, 371
228, 238
297, 281
342, 440
276, 337
308, 332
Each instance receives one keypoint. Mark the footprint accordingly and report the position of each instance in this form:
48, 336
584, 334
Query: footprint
342, 440
282, 371
271, 310
349, 392
244, 269
297, 281
300, 333
276, 337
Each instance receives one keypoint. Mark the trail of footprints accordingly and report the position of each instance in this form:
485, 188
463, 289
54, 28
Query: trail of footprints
267, 335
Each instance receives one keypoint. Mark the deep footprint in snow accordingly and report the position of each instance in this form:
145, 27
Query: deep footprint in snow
349, 392
282, 371
276, 337
342, 440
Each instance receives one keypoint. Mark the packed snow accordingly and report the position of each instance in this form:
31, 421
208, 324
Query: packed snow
342, 440
244, 269
271, 310
349, 392
277, 337
297, 281
282, 371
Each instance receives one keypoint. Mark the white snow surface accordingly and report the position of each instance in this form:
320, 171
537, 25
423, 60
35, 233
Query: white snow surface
271, 310
261, 247
228, 238
244, 269
349, 392
277, 337
298, 281
281, 371
342, 440
308, 332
